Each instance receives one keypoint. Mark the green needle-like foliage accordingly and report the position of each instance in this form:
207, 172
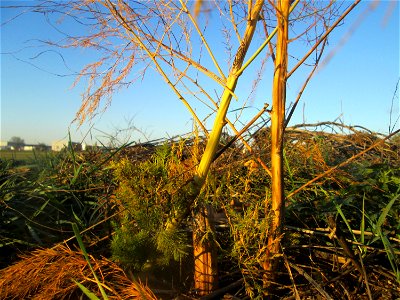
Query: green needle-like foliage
149, 199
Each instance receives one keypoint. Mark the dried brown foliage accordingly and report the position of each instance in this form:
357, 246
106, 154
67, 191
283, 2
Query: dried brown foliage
49, 274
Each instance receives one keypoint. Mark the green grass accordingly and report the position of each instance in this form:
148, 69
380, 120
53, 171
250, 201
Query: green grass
23, 156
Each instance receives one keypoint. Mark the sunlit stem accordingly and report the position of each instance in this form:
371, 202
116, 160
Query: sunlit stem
276, 206
265, 43
215, 134
220, 119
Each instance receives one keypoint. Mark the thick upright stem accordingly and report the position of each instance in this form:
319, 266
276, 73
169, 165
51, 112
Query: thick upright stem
205, 276
277, 126
204, 251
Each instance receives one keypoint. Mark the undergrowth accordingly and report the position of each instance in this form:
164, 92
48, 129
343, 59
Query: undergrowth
342, 233
41, 199
148, 198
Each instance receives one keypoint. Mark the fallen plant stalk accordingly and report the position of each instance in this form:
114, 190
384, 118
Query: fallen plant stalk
325, 232
341, 164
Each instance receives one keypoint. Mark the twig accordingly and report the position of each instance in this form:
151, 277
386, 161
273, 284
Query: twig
238, 134
286, 261
325, 232
348, 251
312, 281
305, 85
210, 52
135, 38
351, 128
323, 37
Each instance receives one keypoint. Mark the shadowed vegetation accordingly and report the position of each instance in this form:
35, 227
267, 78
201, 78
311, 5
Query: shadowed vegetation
341, 235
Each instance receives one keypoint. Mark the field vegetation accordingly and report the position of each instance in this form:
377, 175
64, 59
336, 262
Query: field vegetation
341, 238
23, 156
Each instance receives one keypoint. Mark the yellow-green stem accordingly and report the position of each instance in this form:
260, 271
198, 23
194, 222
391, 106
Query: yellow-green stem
265, 43
205, 257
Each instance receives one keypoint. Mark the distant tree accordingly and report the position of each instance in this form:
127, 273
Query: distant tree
16, 142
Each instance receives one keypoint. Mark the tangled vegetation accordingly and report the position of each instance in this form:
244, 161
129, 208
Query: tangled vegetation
341, 237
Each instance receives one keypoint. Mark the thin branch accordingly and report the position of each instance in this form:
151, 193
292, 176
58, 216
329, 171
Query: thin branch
210, 52
312, 281
391, 128
323, 37
152, 56
304, 86
271, 49
183, 57
266, 42
244, 129
233, 21
231, 125
220, 119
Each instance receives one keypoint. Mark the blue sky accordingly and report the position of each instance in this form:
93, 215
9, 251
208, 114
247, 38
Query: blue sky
357, 85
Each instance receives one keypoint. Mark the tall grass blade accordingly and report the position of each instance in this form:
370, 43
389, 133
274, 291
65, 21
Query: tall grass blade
86, 291
111, 155
80, 222
4, 243
362, 225
385, 212
392, 257
76, 174
85, 254
71, 150
34, 234
41, 209
289, 170
341, 213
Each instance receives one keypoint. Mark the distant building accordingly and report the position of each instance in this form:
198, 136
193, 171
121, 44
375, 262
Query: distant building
38, 147
86, 147
59, 145
25, 147
15, 146
4, 145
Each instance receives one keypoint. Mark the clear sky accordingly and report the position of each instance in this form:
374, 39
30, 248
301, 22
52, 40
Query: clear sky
357, 85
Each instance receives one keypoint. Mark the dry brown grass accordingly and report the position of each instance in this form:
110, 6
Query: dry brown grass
49, 274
